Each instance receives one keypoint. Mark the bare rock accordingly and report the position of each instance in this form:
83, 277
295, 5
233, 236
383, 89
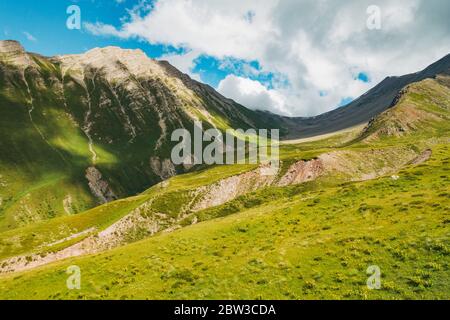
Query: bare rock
230, 188
302, 171
99, 187
424, 156
163, 169
13, 53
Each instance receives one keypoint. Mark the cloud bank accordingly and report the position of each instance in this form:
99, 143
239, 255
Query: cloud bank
321, 47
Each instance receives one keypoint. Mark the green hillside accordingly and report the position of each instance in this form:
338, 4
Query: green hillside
77, 131
86, 179
382, 197
308, 244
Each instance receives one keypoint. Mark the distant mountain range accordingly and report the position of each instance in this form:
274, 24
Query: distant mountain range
363, 109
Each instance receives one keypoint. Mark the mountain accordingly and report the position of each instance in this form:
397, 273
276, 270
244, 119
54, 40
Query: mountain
366, 107
337, 207
419, 107
79, 130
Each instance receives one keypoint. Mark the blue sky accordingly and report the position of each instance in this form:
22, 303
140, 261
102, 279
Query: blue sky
46, 20
41, 27
297, 58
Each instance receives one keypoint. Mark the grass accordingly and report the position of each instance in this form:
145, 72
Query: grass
308, 244
53, 141
34, 237
171, 200
309, 241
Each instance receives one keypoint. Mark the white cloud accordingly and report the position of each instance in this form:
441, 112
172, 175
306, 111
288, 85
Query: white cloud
317, 45
29, 36
99, 29
217, 28
252, 94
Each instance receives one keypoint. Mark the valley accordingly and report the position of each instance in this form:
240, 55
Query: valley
89, 182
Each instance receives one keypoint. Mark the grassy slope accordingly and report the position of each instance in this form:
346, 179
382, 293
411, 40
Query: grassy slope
320, 240
314, 244
43, 161
170, 200
423, 109
33, 238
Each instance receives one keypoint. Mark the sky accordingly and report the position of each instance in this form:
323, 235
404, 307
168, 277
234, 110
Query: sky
291, 57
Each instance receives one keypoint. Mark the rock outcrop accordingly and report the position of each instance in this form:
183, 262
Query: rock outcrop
164, 169
99, 187
13, 53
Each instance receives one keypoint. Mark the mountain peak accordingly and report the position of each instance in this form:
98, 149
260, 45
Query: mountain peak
111, 51
112, 60
12, 52
11, 46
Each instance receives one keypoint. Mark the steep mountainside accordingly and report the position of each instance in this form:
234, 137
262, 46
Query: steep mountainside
402, 137
85, 129
81, 130
376, 197
421, 106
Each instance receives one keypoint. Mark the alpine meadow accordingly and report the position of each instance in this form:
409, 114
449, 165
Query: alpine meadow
98, 203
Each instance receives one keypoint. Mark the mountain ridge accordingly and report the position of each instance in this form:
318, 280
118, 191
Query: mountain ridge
96, 126
76, 134
359, 111
368, 105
